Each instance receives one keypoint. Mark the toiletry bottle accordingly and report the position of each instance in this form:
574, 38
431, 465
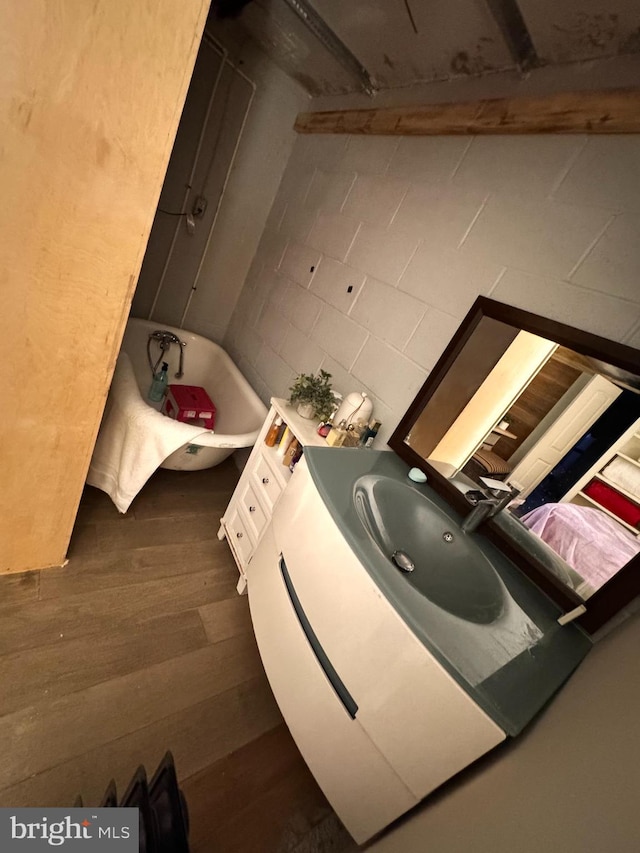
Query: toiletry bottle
324, 428
354, 434
285, 438
159, 385
296, 458
370, 433
272, 435
281, 430
292, 449
338, 434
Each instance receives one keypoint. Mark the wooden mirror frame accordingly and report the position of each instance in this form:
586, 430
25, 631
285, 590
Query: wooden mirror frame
624, 586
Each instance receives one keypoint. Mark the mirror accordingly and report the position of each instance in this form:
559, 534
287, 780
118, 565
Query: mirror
554, 412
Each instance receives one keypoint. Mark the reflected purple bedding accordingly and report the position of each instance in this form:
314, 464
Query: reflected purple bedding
592, 543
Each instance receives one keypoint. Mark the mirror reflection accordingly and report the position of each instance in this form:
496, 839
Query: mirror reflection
561, 427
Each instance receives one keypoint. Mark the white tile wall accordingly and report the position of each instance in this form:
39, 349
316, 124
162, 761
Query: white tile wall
375, 199
270, 326
606, 174
297, 221
440, 213
338, 284
324, 152
381, 252
599, 313
542, 236
363, 155
274, 371
336, 332
517, 165
299, 263
448, 279
386, 313
333, 234
296, 348
430, 337
550, 224
613, 264
428, 158
391, 375
270, 249
300, 307
329, 190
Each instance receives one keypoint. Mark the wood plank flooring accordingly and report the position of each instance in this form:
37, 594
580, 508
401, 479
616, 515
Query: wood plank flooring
141, 644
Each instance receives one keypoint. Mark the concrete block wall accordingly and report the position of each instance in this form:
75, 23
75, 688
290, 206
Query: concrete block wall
376, 247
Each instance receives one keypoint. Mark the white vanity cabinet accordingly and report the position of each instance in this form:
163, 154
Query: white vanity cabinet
377, 718
263, 480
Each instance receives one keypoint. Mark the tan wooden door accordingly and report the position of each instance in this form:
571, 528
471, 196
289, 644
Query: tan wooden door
90, 99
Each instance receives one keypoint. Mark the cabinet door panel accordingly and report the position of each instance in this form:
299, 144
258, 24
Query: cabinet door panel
360, 785
423, 721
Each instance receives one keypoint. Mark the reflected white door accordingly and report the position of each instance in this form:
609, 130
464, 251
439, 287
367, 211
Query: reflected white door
557, 441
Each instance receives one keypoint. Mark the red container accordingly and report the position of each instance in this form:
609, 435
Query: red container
612, 500
190, 404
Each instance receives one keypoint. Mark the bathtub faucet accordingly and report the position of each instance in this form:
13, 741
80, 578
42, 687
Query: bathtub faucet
165, 339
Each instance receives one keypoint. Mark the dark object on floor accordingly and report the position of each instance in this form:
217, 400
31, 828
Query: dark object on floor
110, 799
164, 817
170, 808
137, 797
228, 8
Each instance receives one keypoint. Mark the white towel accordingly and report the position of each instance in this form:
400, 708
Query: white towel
625, 474
134, 439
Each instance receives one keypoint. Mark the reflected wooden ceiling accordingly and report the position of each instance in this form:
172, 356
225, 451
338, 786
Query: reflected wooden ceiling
585, 364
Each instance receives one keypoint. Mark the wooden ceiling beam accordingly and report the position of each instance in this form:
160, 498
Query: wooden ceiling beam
613, 111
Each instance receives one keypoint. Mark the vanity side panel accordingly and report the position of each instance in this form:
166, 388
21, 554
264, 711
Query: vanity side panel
358, 782
425, 724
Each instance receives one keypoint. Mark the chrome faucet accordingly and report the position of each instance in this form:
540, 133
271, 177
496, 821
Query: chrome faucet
165, 339
488, 502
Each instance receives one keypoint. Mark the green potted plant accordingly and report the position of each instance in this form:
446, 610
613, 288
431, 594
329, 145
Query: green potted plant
312, 395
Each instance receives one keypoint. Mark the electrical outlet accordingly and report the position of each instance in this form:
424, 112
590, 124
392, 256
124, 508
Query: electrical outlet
199, 206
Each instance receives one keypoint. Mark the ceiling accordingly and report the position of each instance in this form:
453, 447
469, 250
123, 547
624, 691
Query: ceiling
342, 46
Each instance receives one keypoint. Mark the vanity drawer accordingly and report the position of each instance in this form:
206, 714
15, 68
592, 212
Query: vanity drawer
254, 516
239, 536
266, 483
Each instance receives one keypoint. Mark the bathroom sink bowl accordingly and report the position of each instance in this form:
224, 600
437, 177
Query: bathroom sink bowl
449, 568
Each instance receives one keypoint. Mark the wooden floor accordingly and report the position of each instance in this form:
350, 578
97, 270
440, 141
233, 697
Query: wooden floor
141, 644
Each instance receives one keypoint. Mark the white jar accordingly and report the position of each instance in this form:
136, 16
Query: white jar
355, 407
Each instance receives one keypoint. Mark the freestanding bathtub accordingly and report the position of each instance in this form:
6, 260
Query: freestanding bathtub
135, 439
240, 412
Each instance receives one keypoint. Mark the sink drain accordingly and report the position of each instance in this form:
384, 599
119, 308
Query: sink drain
448, 536
403, 561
